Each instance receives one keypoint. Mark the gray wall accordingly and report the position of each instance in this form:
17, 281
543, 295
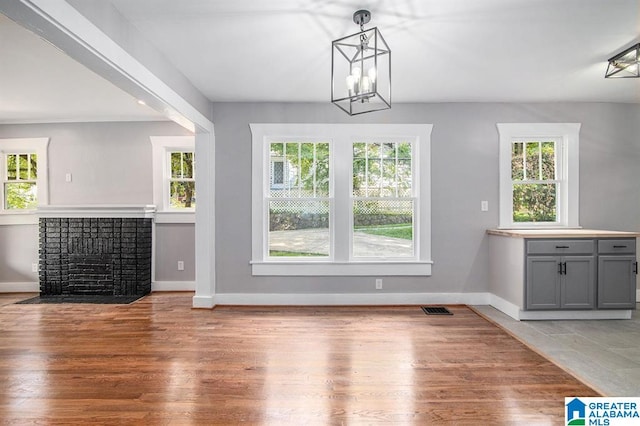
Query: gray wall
464, 171
110, 163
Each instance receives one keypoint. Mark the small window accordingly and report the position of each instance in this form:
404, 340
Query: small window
539, 174
20, 186
535, 182
174, 178
23, 174
182, 183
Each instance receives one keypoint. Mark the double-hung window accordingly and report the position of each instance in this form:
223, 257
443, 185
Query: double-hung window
174, 186
538, 175
23, 174
341, 199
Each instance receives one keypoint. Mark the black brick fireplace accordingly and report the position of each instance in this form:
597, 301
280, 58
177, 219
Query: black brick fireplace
95, 256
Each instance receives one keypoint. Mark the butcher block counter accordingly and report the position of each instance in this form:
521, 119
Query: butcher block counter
563, 273
562, 233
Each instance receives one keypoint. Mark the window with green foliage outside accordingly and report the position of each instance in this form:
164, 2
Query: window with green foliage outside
383, 200
20, 189
299, 199
534, 177
182, 183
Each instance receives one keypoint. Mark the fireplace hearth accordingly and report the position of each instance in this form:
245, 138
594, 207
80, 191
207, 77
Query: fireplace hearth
95, 256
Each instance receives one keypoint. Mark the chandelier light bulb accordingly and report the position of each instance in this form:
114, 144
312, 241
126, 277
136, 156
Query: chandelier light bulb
372, 74
351, 82
366, 84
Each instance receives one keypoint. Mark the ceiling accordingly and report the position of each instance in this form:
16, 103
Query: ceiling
39, 83
253, 50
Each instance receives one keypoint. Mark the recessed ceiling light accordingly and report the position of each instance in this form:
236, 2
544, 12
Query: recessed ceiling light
141, 102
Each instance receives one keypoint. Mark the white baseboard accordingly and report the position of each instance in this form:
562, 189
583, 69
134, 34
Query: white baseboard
24, 287
203, 302
173, 286
351, 299
508, 308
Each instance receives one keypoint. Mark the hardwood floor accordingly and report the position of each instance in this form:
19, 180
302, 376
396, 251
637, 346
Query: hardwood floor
157, 361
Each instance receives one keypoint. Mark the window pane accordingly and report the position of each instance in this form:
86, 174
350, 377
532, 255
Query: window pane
187, 165
383, 228
388, 178
322, 169
307, 169
359, 177
373, 171
404, 150
535, 202
176, 165
277, 150
23, 167
183, 194
277, 175
517, 161
34, 166
11, 166
404, 178
21, 195
533, 161
548, 160
388, 150
293, 163
298, 228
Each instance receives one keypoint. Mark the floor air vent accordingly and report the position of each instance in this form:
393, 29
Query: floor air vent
436, 310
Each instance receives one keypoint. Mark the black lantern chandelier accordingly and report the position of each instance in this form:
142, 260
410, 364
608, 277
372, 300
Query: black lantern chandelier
625, 64
361, 70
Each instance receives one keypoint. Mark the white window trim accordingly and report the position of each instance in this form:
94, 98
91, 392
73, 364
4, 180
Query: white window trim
341, 136
160, 147
569, 199
33, 145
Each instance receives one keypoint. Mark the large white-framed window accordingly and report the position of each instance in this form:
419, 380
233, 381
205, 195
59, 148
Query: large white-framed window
174, 168
346, 199
539, 175
24, 179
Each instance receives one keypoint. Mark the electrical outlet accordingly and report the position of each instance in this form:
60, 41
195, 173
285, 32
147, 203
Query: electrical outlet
484, 206
34, 267
180, 265
67, 177
378, 283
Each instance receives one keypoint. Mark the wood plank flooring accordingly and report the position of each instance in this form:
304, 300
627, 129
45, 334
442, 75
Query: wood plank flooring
157, 361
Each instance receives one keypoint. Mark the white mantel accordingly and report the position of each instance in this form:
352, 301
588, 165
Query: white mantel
98, 210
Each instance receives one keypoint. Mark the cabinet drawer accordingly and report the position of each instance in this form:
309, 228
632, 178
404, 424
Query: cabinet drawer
627, 246
560, 246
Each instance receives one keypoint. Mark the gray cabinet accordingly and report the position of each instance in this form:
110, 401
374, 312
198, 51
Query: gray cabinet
575, 273
617, 269
560, 274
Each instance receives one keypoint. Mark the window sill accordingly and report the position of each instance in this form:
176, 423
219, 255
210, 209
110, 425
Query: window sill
275, 268
175, 217
19, 218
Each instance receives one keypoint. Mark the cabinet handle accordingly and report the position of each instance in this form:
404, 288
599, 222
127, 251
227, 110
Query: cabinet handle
562, 246
635, 268
619, 246
560, 268
564, 268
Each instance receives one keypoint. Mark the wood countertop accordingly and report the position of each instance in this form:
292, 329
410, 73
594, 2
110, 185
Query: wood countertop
561, 233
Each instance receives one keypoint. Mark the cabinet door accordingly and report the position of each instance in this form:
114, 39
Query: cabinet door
617, 282
543, 282
578, 282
